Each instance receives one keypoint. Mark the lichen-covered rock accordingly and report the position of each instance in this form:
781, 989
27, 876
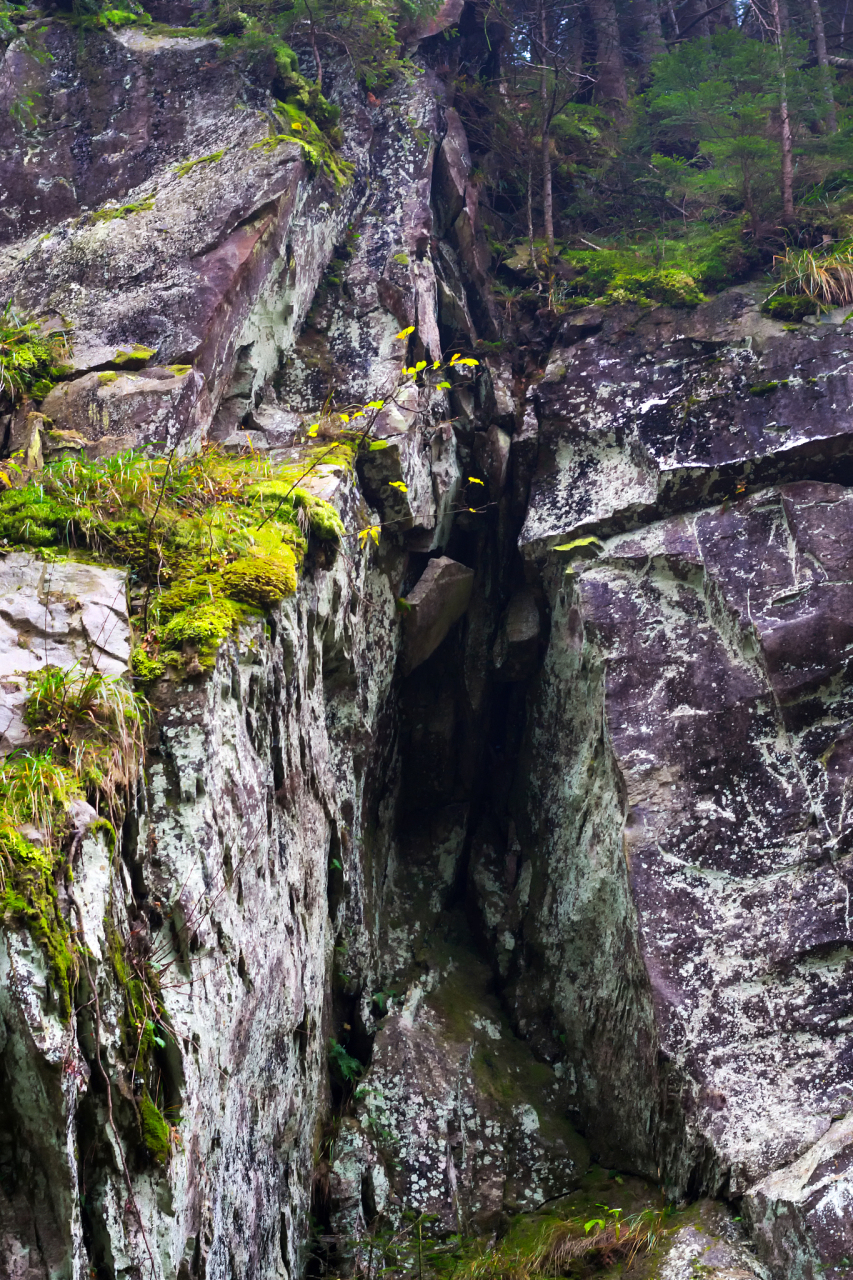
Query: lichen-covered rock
457, 1118
677, 409
55, 613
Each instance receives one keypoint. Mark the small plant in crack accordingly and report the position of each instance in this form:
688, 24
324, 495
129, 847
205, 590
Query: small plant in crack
343, 1064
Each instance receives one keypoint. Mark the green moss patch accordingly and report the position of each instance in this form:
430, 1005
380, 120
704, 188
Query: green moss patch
317, 147
155, 1130
785, 308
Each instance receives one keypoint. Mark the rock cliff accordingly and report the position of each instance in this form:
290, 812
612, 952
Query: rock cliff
518, 838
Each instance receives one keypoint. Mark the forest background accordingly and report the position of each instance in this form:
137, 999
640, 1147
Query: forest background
624, 150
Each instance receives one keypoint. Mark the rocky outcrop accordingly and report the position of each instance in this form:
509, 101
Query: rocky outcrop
686, 844
527, 816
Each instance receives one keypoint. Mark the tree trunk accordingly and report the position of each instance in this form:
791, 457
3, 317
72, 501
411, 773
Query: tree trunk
784, 120
547, 186
823, 63
612, 87
694, 19
650, 41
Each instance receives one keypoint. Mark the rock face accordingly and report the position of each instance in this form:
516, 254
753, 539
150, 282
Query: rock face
562, 848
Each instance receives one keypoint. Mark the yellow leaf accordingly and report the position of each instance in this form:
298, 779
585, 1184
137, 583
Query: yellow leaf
4, 480
467, 360
398, 484
474, 480
344, 417
312, 431
374, 404
404, 333
294, 124
420, 365
454, 358
372, 531
443, 386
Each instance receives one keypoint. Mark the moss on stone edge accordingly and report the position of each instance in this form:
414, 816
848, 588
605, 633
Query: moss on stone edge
155, 1130
29, 895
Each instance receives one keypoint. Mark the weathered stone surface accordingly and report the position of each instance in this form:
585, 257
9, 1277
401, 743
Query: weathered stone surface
460, 1121
438, 600
160, 407
655, 414
57, 613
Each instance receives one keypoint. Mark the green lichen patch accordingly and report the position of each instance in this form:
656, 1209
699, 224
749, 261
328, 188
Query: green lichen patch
124, 210
188, 165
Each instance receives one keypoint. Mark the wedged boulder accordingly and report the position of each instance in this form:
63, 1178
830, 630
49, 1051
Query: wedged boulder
491, 449
435, 603
662, 412
516, 649
452, 169
116, 411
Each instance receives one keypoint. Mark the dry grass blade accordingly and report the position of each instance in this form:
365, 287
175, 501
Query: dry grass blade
825, 276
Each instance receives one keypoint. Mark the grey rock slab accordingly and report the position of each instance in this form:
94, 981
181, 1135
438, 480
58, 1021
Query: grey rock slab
662, 412
61, 613
693, 831
435, 603
163, 407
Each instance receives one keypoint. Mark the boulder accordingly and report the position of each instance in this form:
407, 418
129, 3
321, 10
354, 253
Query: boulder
516, 649
116, 411
439, 599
